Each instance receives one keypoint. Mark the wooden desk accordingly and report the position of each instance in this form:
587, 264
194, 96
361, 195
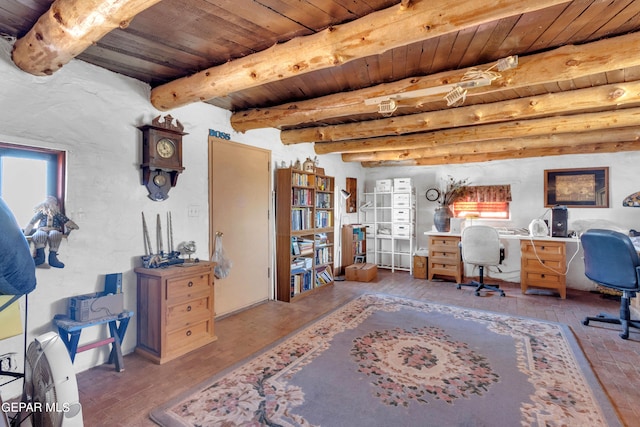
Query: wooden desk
543, 261
70, 330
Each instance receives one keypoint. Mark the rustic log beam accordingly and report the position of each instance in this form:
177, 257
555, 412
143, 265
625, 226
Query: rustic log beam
550, 125
597, 148
68, 28
548, 141
576, 101
562, 64
372, 34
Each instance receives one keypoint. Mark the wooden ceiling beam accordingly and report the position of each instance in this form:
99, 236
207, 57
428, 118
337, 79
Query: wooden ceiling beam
561, 64
596, 148
68, 28
572, 102
518, 128
370, 35
497, 146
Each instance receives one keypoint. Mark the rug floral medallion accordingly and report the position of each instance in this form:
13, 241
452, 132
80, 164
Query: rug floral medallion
382, 360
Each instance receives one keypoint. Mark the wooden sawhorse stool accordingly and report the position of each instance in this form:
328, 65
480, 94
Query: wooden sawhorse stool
70, 330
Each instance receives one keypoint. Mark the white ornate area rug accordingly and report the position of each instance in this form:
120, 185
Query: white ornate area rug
381, 360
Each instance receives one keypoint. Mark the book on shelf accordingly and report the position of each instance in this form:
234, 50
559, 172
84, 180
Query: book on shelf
324, 255
301, 282
324, 275
324, 219
301, 218
321, 239
298, 265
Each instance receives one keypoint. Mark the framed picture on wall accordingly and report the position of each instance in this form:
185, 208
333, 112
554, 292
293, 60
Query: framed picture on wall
577, 188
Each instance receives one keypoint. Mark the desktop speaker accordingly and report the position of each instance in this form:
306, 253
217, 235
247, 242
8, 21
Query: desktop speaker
559, 221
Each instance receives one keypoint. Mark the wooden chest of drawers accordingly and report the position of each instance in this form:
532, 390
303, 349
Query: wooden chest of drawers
175, 310
543, 265
444, 257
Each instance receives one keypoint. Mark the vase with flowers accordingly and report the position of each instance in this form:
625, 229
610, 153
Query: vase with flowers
450, 191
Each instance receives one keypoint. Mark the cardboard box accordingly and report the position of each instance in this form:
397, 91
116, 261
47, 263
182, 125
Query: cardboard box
419, 267
367, 272
95, 306
361, 272
350, 272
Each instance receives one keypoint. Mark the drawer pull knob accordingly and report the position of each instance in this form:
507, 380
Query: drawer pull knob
189, 333
542, 275
190, 284
542, 247
188, 308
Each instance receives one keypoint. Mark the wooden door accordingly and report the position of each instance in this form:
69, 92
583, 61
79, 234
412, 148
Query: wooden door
239, 206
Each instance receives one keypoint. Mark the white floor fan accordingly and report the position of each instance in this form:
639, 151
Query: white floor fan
50, 395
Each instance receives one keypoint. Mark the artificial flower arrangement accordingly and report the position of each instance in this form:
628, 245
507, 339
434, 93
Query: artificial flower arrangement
452, 189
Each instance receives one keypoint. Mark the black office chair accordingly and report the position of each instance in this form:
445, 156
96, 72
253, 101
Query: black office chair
611, 260
481, 246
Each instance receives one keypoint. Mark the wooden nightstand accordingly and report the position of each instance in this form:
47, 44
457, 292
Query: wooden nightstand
175, 310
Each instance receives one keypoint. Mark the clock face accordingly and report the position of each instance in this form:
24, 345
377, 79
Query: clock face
432, 194
165, 148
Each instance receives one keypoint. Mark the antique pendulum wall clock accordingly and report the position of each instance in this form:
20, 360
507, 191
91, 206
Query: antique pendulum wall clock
161, 156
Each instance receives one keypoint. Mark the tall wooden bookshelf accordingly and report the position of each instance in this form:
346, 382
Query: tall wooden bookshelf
304, 232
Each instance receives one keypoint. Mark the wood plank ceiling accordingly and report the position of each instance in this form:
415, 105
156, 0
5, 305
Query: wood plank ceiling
308, 67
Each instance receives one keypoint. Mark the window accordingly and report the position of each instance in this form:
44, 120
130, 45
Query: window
489, 210
483, 201
28, 175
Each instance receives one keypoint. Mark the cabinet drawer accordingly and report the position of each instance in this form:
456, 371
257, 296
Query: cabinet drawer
402, 230
447, 257
544, 280
190, 337
447, 269
188, 313
401, 215
402, 200
443, 243
542, 248
548, 265
182, 289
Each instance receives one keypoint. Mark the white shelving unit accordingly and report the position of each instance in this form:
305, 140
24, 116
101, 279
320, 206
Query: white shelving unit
390, 220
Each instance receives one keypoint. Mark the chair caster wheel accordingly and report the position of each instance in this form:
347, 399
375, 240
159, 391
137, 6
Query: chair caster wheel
502, 295
477, 294
458, 287
585, 322
624, 336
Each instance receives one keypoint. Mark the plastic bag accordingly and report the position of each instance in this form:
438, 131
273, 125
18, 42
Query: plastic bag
223, 264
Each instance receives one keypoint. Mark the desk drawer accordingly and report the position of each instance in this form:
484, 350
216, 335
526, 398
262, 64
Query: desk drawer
182, 289
188, 313
544, 280
439, 243
543, 249
549, 265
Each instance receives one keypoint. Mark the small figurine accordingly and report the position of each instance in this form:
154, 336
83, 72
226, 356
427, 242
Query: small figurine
50, 226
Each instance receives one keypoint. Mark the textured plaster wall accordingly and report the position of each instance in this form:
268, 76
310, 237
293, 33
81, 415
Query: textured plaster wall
92, 114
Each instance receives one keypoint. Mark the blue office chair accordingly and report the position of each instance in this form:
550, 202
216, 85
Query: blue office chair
481, 246
611, 260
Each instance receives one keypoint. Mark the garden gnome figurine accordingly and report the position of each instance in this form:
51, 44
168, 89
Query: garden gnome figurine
50, 226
